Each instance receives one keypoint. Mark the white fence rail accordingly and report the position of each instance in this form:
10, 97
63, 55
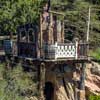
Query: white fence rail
66, 50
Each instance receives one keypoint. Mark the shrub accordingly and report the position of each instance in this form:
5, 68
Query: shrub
95, 53
94, 97
17, 84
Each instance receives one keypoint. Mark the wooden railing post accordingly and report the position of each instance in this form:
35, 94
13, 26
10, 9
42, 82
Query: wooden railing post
41, 37
56, 50
76, 43
63, 30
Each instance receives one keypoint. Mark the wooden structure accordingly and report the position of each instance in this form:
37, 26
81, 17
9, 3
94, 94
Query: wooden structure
47, 47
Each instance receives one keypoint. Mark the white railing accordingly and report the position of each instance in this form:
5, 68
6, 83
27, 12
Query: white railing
66, 50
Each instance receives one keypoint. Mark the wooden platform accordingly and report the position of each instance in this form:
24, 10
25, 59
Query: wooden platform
39, 60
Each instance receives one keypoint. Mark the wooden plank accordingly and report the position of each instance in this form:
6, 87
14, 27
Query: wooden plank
7, 37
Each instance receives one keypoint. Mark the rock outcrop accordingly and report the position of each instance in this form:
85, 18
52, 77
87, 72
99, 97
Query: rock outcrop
93, 79
62, 81
64, 84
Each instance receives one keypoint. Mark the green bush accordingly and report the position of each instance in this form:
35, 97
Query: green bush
16, 84
95, 53
94, 97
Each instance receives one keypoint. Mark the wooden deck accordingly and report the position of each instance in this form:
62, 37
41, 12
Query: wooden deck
39, 60
66, 51
58, 52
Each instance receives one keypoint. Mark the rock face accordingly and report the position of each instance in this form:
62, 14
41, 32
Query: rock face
95, 68
93, 79
65, 88
63, 85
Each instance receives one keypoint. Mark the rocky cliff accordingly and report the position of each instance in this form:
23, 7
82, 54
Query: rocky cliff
64, 86
93, 79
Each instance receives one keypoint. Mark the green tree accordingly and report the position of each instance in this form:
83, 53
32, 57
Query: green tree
76, 16
17, 12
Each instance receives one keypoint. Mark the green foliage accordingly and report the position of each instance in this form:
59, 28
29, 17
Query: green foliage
95, 53
76, 16
93, 1
94, 97
17, 12
16, 84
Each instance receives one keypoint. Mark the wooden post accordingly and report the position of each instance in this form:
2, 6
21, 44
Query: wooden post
88, 27
27, 37
41, 36
7, 57
51, 29
63, 30
42, 81
76, 45
11, 35
76, 90
82, 83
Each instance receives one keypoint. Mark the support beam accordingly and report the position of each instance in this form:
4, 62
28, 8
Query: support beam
41, 37
82, 82
42, 81
82, 79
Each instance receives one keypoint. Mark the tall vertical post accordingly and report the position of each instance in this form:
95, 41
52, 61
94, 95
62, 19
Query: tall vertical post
63, 30
88, 27
51, 29
50, 21
82, 82
11, 36
41, 36
76, 46
42, 81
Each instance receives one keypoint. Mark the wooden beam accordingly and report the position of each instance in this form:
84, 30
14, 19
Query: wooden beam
7, 37
41, 36
57, 13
